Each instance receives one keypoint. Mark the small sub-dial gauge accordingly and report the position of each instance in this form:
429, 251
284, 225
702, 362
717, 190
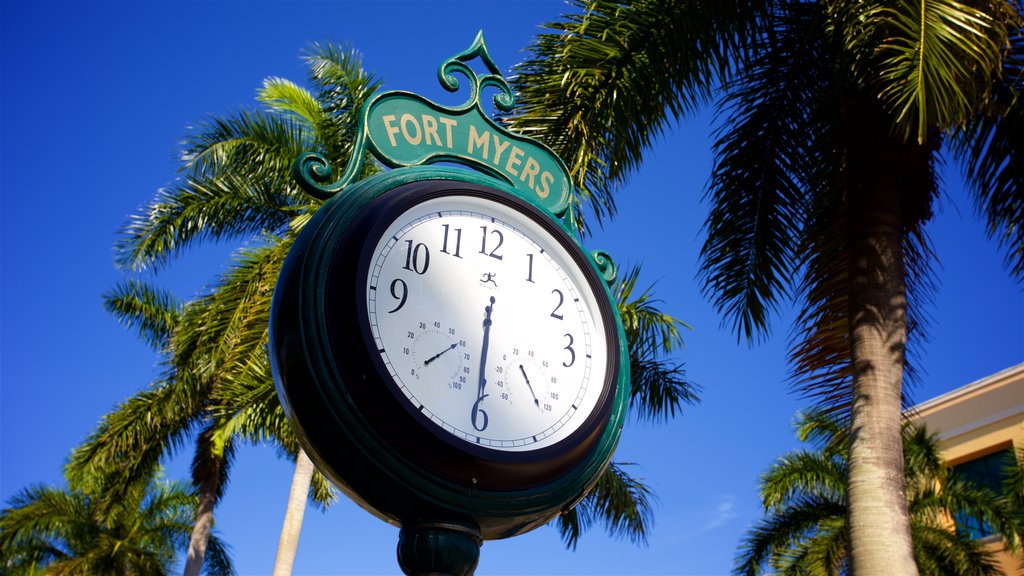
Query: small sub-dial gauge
524, 377
439, 354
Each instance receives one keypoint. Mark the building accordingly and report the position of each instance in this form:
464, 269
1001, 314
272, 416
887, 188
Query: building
979, 425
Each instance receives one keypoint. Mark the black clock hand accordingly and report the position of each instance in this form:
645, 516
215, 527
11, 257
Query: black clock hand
530, 386
483, 352
483, 364
438, 355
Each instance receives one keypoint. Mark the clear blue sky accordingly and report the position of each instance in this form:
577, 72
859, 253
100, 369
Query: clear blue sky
94, 98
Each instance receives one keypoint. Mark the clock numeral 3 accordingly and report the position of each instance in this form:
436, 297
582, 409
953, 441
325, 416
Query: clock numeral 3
572, 353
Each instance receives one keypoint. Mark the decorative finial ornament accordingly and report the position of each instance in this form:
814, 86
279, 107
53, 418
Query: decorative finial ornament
504, 100
403, 129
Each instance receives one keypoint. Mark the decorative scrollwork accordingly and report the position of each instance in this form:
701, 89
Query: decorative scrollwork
314, 173
504, 100
605, 265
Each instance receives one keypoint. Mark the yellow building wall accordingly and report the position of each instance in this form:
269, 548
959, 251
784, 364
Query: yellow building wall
976, 420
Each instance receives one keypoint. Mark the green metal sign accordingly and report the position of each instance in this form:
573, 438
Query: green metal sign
404, 129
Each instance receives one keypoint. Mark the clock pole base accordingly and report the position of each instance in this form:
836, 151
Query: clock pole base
436, 549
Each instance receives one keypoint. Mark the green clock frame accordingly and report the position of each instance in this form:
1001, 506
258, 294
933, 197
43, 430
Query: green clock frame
333, 406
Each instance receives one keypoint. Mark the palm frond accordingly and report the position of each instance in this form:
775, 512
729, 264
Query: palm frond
822, 554
803, 475
757, 187
71, 531
991, 153
247, 142
937, 60
605, 82
659, 386
939, 551
781, 531
621, 502
218, 557
192, 211
283, 95
142, 307
131, 440
342, 86
220, 331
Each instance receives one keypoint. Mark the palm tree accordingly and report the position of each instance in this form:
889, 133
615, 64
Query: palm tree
217, 388
76, 531
204, 346
806, 527
833, 115
237, 184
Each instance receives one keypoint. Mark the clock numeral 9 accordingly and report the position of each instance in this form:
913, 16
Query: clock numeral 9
400, 295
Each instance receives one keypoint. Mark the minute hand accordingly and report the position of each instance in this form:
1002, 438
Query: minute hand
483, 353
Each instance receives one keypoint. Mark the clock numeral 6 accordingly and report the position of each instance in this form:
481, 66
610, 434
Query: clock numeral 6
478, 414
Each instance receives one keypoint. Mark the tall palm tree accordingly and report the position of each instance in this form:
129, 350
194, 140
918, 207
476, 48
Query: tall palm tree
806, 527
237, 185
76, 531
205, 345
833, 115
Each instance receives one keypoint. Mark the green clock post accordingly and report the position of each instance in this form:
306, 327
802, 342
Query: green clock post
448, 354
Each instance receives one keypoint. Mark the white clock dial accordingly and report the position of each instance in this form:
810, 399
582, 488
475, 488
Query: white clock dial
486, 323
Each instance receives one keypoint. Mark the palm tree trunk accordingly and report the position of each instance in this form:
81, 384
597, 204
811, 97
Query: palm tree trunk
201, 531
209, 472
288, 544
879, 523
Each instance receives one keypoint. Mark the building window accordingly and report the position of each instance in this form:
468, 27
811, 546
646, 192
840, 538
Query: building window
984, 472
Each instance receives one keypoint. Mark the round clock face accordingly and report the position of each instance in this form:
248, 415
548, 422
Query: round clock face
487, 324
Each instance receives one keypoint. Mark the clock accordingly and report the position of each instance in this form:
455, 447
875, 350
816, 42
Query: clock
444, 348
485, 324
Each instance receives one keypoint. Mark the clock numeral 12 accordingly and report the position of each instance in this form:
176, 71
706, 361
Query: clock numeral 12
483, 243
